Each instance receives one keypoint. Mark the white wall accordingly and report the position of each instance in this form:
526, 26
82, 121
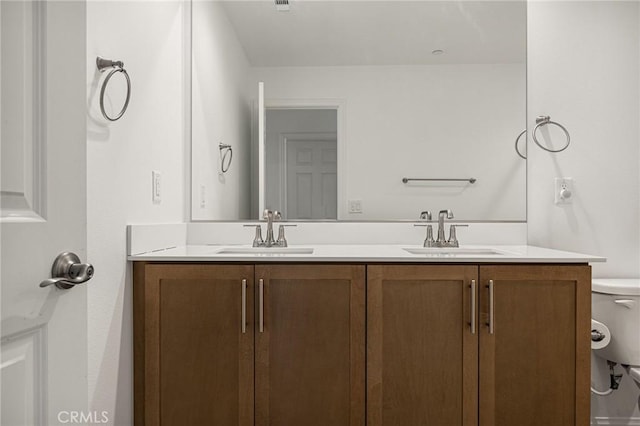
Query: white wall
583, 67
425, 122
148, 37
583, 72
221, 114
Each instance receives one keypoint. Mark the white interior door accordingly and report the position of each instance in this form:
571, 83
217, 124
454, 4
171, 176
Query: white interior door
43, 187
311, 178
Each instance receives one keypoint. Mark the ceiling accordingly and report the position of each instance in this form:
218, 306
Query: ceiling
374, 32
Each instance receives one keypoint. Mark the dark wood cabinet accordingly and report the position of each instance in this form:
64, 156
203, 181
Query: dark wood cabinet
310, 351
535, 359
193, 358
525, 362
297, 358
291, 344
421, 349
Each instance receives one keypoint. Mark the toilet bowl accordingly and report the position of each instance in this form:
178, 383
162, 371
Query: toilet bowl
616, 303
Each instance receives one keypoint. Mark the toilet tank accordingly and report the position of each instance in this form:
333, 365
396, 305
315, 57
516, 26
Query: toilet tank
616, 304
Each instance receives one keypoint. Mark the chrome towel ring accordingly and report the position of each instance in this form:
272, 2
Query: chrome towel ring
544, 120
117, 66
226, 157
522, 133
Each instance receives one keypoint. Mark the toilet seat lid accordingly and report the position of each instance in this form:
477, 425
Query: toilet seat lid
634, 372
617, 286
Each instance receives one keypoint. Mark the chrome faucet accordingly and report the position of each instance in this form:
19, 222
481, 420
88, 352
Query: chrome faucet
441, 242
270, 217
269, 241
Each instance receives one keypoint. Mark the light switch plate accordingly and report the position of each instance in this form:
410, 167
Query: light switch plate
156, 189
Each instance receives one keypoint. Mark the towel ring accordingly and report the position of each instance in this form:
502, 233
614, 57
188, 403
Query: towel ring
118, 66
544, 120
226, 157
524, 132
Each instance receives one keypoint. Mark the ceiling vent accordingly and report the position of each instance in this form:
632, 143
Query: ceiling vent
282, 5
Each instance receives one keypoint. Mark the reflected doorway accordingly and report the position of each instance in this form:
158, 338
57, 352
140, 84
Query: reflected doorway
301, 163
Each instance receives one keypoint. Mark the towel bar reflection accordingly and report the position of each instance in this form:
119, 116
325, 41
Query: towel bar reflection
407, 180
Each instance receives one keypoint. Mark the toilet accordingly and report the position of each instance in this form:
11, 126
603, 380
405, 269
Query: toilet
616, 303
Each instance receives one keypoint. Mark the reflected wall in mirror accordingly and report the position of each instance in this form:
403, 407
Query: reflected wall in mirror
420, 89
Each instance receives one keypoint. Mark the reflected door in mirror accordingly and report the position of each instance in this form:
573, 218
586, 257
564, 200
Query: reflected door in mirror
311, 179
300, 157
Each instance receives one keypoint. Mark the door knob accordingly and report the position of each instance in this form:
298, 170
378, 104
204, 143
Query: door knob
67, 271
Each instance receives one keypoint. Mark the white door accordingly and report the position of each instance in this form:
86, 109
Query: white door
311, 178
43, 187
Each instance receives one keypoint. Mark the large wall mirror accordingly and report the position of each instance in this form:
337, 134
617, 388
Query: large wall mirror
358, 110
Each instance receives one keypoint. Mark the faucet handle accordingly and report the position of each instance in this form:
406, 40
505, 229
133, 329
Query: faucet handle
426, 215
276, 215
257, 240
453, 239
428, 241
282, 241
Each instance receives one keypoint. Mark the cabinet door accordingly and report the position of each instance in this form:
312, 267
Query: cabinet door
193, 357
310, 345
535, 345
422, 354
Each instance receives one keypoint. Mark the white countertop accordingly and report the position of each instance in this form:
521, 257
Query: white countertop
369, 253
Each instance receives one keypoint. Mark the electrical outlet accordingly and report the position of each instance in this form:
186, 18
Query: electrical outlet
355, 206
564, 190
156, 187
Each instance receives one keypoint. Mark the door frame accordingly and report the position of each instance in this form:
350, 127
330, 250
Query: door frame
340, 105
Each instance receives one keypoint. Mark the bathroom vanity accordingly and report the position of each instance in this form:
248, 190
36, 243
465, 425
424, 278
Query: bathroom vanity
354, 335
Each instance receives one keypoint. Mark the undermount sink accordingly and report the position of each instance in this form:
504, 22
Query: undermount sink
454, 251
266, 250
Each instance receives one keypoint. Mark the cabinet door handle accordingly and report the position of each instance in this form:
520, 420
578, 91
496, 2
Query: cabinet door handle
244, 306
261, 305
473, 306
491, 308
